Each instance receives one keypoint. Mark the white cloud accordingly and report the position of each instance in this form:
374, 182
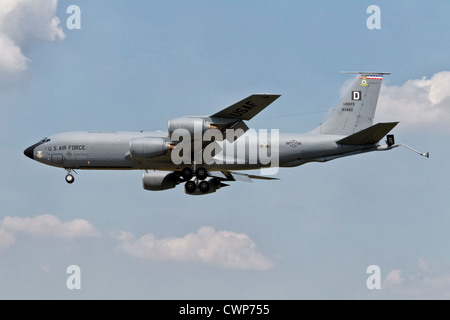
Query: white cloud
46, 269
394, 278
418, 103
226, 249
23, 23
44, 226
6, 238
428, 281
11, 58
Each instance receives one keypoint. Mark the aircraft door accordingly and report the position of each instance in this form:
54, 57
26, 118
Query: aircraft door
57, 158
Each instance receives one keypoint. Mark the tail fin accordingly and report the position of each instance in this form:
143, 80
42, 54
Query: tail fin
356, 110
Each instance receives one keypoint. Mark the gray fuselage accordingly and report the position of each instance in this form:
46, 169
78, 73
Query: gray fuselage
111, 150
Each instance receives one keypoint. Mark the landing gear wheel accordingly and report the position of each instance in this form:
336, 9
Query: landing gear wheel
190, 187
201, 173
70, 179
204, 186
187, 173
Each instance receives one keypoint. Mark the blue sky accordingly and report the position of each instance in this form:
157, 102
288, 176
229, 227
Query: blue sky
312, 234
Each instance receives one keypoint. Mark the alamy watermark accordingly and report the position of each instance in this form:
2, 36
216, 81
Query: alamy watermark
232, 147
374, 280
74, 280
374, 21
74, 20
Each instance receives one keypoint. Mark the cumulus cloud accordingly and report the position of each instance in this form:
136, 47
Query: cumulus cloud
23, 23
427, 281
226, 249
418, 102
393, 278
44, 226
6, 239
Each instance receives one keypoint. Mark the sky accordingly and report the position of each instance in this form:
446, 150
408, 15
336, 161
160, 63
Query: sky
311, 235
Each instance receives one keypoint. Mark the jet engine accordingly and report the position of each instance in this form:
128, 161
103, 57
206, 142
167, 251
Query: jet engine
209, 185
159, 180
144, 148
192, 125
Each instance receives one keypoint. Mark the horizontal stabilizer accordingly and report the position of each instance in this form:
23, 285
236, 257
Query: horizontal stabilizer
370, 135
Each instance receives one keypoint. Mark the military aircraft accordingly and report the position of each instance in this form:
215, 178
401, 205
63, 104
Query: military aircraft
204, 152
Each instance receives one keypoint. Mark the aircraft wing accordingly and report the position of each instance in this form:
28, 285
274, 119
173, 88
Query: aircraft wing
238, 176
233, 117
247, 108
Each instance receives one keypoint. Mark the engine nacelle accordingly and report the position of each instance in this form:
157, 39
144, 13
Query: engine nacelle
159, 180
209, 185
192, 125
144, 148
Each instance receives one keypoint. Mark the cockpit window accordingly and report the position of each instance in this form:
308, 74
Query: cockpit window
44, 140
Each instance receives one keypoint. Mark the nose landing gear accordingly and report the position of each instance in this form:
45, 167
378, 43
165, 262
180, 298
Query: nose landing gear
69, 177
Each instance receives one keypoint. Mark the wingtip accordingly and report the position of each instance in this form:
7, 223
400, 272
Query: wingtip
268, 95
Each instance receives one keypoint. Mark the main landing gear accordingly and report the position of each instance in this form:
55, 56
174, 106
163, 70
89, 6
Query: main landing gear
190, 186
201, 173
199, 182
69, 177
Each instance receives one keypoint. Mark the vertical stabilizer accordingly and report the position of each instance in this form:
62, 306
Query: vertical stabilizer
356, 110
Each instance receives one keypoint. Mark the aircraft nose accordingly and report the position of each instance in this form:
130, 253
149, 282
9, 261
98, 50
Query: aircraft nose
29, 152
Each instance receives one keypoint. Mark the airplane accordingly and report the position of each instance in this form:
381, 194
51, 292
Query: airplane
178, 156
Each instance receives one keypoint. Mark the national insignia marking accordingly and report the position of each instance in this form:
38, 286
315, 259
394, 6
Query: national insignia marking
293, 143
364, 81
